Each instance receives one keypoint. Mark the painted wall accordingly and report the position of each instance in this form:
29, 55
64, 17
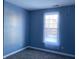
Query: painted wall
16, 28
66, 28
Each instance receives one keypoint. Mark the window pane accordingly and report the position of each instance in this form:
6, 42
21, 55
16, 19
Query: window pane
51, 28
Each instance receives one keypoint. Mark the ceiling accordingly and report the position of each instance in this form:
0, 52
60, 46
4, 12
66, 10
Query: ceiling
41, 4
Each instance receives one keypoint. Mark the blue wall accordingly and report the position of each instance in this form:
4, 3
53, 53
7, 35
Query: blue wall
28, 28
16, 33
66, 28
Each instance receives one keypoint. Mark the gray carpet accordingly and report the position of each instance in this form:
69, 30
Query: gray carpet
35, 54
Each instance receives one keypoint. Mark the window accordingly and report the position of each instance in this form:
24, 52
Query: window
51, 28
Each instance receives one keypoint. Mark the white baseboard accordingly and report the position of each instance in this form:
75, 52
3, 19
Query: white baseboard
66, 54
15, 52
61, 53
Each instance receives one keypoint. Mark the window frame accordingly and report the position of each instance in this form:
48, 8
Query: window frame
52, 13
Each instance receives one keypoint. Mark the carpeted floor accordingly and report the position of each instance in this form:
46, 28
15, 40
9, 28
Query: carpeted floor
35, 54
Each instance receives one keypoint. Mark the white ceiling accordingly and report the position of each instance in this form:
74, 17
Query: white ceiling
40, 4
